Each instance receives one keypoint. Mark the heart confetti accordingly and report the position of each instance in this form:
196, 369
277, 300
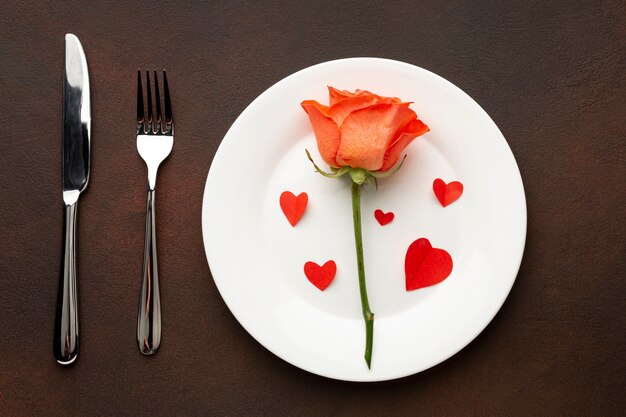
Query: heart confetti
293, 206
425, 266
447, 193
383, 218
320, 276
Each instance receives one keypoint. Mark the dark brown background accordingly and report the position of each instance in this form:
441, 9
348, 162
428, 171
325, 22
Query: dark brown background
551, 75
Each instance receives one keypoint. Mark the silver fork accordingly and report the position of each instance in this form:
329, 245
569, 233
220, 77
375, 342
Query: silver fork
155, 137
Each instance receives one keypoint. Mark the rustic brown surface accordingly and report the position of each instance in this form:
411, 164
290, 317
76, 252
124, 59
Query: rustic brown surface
551, 74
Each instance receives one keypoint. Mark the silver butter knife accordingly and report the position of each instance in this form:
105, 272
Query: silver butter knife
76, 153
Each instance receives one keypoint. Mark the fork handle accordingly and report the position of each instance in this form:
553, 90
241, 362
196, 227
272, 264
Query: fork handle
66, 320
149, 317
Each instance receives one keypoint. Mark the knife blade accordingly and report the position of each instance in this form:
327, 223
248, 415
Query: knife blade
76, 162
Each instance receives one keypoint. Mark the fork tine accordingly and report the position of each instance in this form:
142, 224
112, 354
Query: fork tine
149, 89
168, 104
140, 112
157, 98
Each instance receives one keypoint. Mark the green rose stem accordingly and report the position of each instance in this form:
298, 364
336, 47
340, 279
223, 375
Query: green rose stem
365, 305
359, 177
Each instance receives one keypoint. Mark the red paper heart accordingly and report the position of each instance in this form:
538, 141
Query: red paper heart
425, 266
293, 206
447, 193
383, 218
320, 276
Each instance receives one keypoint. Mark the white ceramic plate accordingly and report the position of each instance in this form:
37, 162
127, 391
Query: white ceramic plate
257, 258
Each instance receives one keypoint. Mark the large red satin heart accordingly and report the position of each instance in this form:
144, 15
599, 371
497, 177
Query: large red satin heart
383, 218
293, 206
320, 276
425, 266
447, 193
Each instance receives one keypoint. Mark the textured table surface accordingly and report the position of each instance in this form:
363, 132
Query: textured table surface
552, 76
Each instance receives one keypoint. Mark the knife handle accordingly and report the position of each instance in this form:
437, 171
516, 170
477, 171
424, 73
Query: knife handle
149, 317
66, 320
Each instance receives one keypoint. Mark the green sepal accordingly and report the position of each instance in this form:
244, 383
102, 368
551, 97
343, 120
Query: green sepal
337, 172
389, 173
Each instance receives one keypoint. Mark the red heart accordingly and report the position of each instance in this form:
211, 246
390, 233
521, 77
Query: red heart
425, 266
447, 193
320, 276
383, 218
293, 206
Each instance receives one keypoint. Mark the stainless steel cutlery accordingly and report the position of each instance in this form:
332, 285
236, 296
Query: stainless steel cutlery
76, 161
155, 138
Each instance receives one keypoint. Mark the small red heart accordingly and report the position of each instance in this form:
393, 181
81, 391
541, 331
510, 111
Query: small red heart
447, 193
320, 276
383, 218
293, 206
425, 266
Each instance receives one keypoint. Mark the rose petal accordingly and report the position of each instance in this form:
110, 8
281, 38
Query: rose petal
414, 129
325, 129
335, 95
367, 133
341, 109
393, 100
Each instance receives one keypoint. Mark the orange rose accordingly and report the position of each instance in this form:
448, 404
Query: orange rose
363, 130
362, 134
